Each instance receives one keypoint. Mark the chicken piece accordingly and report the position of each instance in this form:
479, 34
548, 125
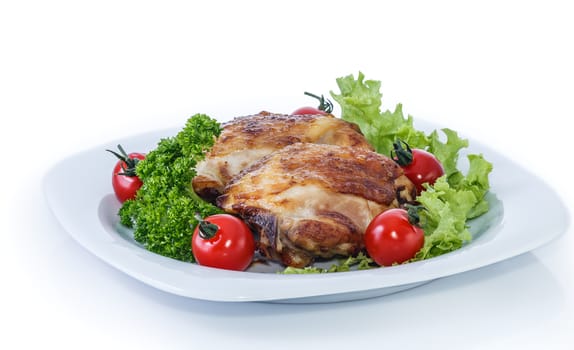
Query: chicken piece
245, 140
309, 201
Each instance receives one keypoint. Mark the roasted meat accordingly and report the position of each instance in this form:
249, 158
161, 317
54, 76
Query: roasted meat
311, 201
245, 140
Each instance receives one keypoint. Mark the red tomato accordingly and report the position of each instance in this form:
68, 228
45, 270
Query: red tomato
418, 165
223, 241
308, 110
391, 238
325, 107
124, 179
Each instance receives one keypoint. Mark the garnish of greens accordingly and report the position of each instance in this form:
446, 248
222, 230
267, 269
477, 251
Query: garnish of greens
163, 214
359, 262
455, 197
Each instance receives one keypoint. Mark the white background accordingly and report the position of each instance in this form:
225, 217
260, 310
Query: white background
77, 74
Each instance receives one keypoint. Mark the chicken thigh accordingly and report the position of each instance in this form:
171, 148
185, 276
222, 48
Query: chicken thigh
311, 201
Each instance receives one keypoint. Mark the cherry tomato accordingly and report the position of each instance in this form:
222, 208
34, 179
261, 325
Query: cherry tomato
223, 241
391, 237
325, 107
308, 110
418, 165
124, 179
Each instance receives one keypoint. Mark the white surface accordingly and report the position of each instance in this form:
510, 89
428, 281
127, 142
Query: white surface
500, 234
74, 75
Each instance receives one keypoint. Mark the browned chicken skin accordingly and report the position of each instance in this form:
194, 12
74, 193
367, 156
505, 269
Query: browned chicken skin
312, 201
245, 140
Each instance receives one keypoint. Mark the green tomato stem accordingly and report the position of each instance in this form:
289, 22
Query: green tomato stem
403, 156
206, 229
130, 163
325, 105
413, 213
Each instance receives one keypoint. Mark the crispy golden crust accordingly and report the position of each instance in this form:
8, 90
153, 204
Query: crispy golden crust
349, 171
244, 140
275, 131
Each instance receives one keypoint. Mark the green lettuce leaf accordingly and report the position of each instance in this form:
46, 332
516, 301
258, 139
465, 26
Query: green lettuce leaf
444, 220
360, 103
447, 152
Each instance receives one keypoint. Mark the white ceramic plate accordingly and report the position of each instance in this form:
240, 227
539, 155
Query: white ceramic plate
525, 214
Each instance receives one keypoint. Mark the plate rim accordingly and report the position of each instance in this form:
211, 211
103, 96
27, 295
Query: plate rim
160, 273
